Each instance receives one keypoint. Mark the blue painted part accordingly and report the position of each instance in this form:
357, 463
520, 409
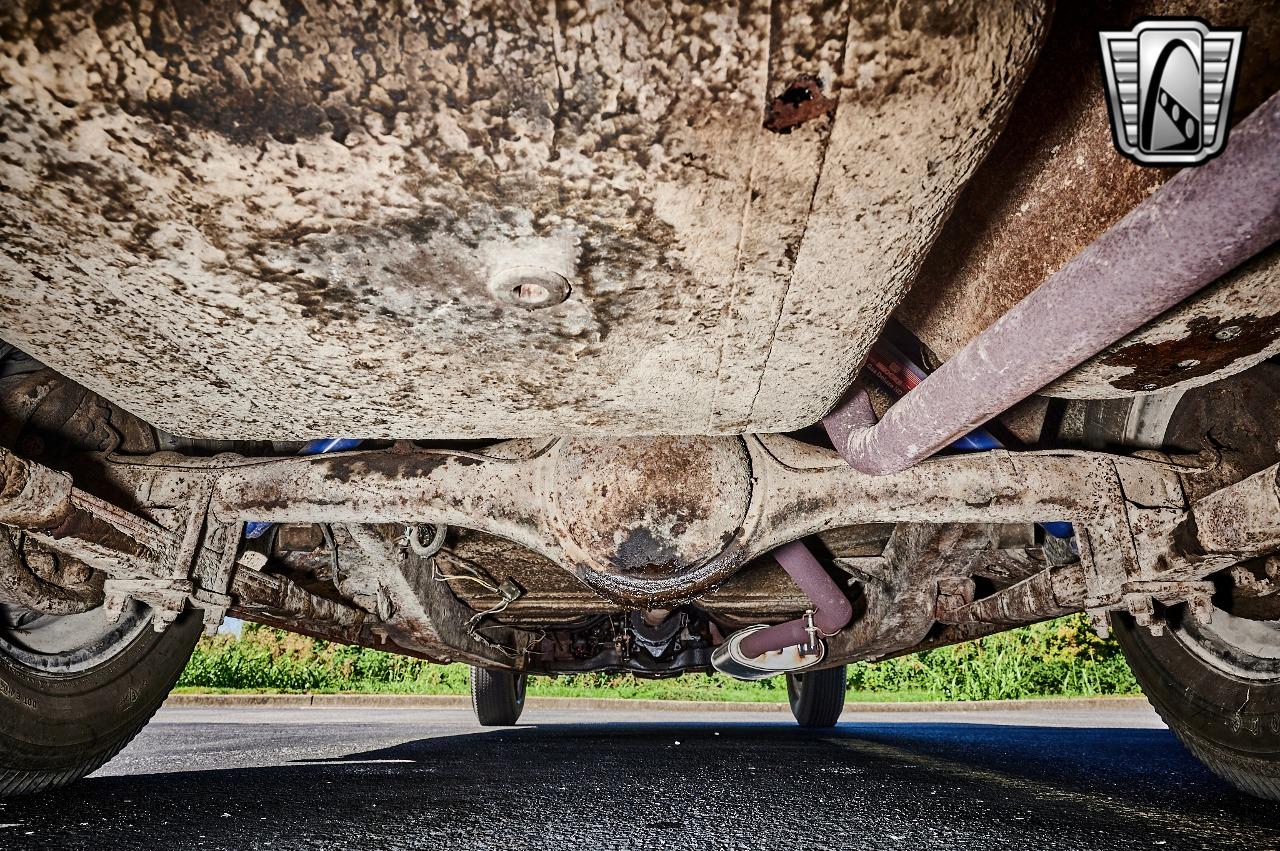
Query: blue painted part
321, 446
256, 528
329, 444
1058, 528
978, 440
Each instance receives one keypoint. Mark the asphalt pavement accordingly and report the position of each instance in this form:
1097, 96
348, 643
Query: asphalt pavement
375, 778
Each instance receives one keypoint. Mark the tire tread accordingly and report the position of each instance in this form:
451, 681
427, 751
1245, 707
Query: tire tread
494, 697
821, 698
1257, 777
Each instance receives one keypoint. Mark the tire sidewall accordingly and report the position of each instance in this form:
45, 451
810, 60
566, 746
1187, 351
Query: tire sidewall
795, 694
51, 722
1228, 713
520, 685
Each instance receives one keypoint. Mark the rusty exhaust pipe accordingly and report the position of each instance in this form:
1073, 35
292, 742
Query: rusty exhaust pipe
758, 652
1198, 226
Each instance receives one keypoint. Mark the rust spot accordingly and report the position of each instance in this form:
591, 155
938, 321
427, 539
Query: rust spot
643, 553
672, 503
1201, 352
802, 101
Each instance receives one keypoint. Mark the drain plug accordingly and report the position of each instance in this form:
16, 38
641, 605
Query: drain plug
530, 287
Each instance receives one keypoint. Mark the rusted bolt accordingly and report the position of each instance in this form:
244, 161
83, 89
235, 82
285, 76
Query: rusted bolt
530, 287
1189, 363
1201, 606
113, 606
1228, 333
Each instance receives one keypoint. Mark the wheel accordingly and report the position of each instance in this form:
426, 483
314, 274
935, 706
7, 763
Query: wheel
75, 689
497, 696
817, 698
1216, 684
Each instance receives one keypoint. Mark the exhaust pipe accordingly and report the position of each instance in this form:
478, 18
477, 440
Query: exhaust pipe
1201, 224
758, 652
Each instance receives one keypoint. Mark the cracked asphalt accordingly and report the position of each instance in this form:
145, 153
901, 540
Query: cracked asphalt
431, 778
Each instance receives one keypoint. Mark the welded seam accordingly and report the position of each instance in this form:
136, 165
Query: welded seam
726, 312
823, 146
557, 41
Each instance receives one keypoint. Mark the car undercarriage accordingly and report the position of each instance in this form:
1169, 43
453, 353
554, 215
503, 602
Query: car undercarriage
654, 339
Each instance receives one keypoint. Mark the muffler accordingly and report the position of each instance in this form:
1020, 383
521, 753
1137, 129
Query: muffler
759, 652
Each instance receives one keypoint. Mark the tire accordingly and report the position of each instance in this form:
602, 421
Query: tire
497, 696
817, 698
61, 720
1230, 721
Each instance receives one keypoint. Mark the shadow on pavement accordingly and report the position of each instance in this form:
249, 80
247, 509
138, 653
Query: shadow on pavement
705, 785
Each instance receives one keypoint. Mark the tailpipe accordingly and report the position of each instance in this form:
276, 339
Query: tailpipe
759, 652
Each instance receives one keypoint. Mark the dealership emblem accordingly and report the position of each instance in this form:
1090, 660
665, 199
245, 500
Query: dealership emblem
1169, 88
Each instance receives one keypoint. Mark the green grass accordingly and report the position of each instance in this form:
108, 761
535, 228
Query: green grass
547, 687
1061, 658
